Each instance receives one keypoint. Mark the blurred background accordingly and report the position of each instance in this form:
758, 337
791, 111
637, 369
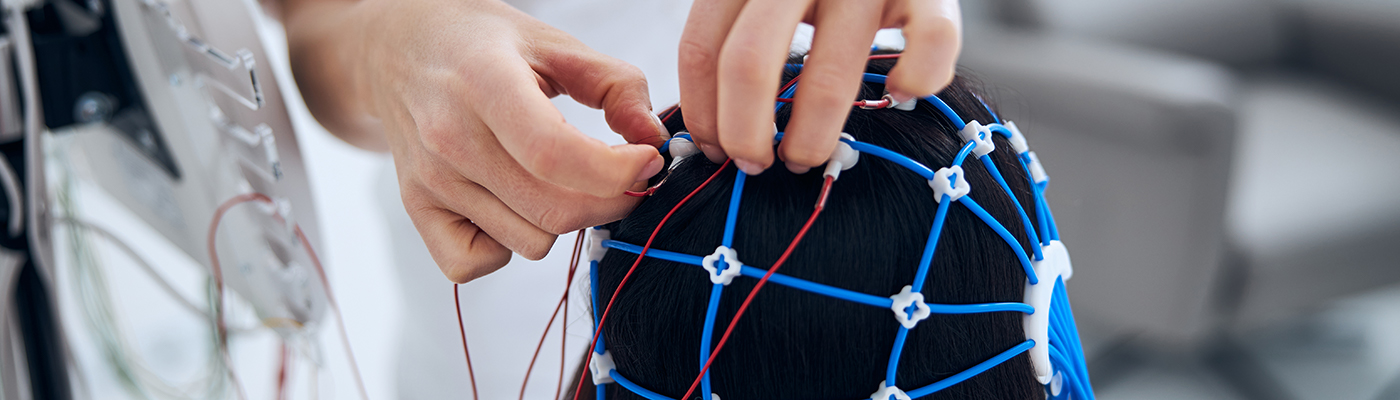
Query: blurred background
1229, 168
1224, 173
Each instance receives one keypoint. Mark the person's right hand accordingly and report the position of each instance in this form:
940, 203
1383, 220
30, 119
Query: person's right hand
460, 91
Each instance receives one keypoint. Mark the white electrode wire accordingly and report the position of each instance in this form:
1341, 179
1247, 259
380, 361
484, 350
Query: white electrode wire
10, 181
140, 261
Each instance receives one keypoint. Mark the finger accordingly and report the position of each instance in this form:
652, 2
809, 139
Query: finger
598, 81
831, 77
550, 207
487, 211
932, 40
535, 134
701, 41
750, 65
462, 250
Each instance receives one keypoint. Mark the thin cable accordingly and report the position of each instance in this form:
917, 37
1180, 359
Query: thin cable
282, 371
670, 112
456, 297
339, 317
821, 203
598, 330
574, 259
561, 304
315, 261
163, 283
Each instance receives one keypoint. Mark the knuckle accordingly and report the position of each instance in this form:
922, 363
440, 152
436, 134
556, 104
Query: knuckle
741, 62
556, 220
536, 250
931, 29
437, 137
472, 261
696, 56
543, 156
807, 153
630, 74
827, 89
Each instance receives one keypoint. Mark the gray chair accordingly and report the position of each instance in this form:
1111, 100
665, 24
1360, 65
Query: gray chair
1218, 165
1314, 199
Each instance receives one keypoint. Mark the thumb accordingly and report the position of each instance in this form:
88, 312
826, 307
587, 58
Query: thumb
599, 81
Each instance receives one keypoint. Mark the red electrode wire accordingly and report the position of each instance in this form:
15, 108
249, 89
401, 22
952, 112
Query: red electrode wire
457, 297
282, 371
652, 189
574, 259
821, 203
562, 304
315, 261
598, 330
670, 112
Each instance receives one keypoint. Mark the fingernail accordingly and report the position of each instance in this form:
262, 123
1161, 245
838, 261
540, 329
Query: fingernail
749, 167
797, 169
652, 168
660, 127
711, 152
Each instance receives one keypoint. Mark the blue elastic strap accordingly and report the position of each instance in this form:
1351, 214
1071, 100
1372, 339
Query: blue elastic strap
896, 351
1005, 235
635, 388
932, 245
666, 146
971, 372
964, 152
601, 390
825, 290
710, 314
995, 118
732, 218
947, 111
1025, 219
906, 162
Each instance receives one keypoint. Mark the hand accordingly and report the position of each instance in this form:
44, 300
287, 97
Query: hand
731, 58
458, 90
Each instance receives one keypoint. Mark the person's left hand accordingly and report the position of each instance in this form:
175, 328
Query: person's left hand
731, 57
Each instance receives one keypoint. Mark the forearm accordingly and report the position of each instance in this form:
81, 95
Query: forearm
325, 65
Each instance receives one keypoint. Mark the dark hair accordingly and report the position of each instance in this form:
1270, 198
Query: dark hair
793, 344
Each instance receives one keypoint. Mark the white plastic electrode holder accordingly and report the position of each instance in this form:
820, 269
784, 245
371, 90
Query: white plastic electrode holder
901, 105
595, 244
1057, 384
1018, 141
949, 181
602, 367
981, 135
842, 158
1056, 264
908, 297
889, 393
1037, 170
731, 268
775, 133
681, 148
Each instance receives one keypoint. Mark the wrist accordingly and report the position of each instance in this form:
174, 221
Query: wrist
326, 43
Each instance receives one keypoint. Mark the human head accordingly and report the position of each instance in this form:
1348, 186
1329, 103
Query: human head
869, 239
